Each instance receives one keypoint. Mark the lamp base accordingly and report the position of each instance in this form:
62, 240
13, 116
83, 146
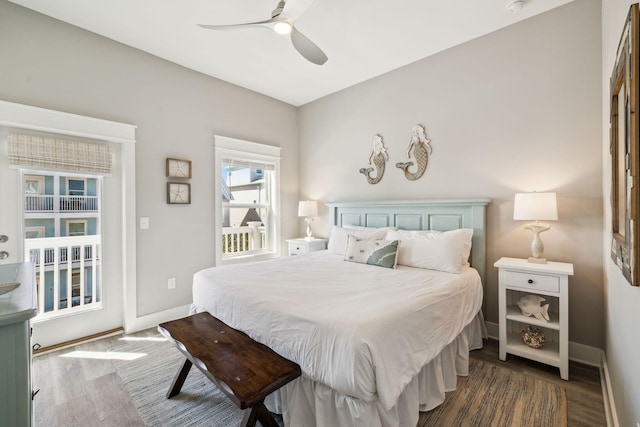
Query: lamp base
309, 234
537, 248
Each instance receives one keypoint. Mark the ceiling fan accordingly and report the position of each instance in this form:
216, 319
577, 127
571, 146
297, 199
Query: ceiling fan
282, 22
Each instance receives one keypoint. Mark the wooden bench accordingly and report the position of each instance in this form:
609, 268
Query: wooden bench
245, 370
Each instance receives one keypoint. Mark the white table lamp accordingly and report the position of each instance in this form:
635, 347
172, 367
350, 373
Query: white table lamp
308, 209
536, 206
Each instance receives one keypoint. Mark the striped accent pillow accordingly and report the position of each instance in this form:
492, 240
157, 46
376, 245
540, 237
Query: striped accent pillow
382, 253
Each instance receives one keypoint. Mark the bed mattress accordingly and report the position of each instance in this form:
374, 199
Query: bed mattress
363, 331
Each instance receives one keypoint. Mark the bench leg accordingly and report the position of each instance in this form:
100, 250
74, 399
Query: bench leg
259, 412
178, 380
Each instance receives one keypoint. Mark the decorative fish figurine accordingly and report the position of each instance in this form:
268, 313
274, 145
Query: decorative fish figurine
419, 144
530, 306
379, 158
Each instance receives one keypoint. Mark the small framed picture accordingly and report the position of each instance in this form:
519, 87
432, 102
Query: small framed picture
178, 193
178, 168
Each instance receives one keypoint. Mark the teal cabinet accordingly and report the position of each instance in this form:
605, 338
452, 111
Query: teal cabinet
17, 308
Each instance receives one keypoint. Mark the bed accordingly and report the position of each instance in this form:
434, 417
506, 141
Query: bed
375, 345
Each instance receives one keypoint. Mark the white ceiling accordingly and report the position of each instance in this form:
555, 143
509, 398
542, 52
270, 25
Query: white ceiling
362, 38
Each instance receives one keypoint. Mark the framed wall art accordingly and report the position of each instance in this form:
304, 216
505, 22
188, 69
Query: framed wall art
625, 152
178, 193
178, 168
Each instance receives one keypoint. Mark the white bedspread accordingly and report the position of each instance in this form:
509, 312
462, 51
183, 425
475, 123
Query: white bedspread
364, 331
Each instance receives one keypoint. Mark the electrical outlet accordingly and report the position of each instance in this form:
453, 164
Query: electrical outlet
144, 223
172, 282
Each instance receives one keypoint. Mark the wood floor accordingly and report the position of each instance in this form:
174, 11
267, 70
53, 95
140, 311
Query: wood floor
82, 391
585, 405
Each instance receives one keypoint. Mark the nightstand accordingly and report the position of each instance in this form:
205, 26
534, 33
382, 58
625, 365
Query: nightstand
517, 278
303, 246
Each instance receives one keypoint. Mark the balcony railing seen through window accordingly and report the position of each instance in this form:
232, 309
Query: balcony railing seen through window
67, 273
50, 203
243, 240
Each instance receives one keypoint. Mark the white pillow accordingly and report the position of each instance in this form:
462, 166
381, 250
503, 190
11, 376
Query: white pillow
435, 250
340, 235
382, 253
466, 234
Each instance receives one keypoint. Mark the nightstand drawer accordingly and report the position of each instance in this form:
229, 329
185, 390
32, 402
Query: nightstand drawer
297, 248
306, 246
532, 281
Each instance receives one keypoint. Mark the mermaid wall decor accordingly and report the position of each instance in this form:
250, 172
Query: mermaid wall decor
377, 158
421, 149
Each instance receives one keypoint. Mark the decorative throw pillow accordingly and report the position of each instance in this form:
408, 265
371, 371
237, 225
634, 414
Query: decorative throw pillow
373, 252
340, 235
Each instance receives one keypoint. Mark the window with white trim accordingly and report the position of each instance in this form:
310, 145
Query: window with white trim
36, 232
76, 186
33, 184
61, 190
247, 200
76, 227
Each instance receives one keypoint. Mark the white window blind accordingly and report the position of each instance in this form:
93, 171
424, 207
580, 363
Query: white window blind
39, 152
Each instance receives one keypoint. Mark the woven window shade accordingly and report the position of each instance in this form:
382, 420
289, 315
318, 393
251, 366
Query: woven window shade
237, 163
39, 152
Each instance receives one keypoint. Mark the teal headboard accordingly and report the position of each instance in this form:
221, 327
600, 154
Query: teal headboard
437, 214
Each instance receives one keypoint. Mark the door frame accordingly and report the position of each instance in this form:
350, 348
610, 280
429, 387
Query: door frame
20, 116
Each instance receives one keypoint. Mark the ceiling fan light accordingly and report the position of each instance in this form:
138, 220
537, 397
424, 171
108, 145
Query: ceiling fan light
282, 27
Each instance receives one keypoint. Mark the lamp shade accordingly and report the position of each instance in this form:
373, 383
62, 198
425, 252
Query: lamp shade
308, 208
535, 206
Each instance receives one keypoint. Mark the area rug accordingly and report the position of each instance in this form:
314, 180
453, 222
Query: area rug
490, 396
148, 377
495, 396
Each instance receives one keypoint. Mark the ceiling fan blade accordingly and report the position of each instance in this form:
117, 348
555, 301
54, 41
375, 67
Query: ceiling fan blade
275, 16
294, 8
308, 49
238, 26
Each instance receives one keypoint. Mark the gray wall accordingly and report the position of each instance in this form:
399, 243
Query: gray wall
622, 301
50, 64
516, 110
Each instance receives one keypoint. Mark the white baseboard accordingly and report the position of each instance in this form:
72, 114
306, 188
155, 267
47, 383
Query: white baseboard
152, 320
577, 352
492, 330
607, 394
74, 343
585, 354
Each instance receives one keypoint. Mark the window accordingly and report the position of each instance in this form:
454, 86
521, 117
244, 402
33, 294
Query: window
119, 198
57, 175
35, 199
75, 187
76, 228
247, 200
33, 184
64, 246
34, 232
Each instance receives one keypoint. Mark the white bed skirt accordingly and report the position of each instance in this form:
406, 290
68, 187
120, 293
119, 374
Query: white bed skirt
306, 403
